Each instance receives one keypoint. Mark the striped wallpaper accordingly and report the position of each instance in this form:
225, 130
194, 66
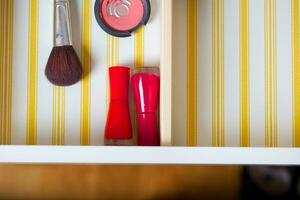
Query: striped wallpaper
240, 75
236, 73
34, 112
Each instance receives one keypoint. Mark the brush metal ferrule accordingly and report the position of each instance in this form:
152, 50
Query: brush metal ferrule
62, 26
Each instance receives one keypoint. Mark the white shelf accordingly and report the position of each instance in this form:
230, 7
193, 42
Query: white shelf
148, 155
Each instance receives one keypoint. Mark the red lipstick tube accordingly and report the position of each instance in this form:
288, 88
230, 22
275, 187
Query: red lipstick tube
118, 124
145, 83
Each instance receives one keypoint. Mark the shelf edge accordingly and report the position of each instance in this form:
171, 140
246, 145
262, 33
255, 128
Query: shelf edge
148, 155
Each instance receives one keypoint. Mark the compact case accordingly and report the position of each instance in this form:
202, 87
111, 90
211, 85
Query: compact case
122, 17
229, 82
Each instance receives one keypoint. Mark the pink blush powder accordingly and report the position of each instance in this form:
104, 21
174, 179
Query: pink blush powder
124, 23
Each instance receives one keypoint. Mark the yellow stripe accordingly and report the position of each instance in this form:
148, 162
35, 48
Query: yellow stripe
222, 76
32, 73
58, 116
54, 115
112, 45
139, 47
1, 64
63, 117
6, 70
218, 74
5, 74
6, 39
270, 74
115, 51
112, 52
86, 81
296, 71
58, 128
9, 75
244, 75
192, 73
214, 128
5, 78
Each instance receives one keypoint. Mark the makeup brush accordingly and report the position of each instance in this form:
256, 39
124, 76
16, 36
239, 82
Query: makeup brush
63, 67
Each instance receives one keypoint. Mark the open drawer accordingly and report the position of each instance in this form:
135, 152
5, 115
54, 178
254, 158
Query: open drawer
230, 83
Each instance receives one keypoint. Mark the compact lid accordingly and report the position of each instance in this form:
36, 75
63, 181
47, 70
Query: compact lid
121, 17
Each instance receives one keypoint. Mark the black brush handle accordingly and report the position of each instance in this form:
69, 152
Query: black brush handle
62, 23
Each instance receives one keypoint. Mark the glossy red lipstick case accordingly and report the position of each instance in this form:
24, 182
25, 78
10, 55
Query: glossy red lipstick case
122, 17
146, 86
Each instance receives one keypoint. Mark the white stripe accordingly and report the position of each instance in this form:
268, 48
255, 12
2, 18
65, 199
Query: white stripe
19, 86
232, 73
98, 82
284, 67
256, 72
73, 92
152, 36
44, 108
204, 87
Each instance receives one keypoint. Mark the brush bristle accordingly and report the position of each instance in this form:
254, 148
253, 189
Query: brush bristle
63, 66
